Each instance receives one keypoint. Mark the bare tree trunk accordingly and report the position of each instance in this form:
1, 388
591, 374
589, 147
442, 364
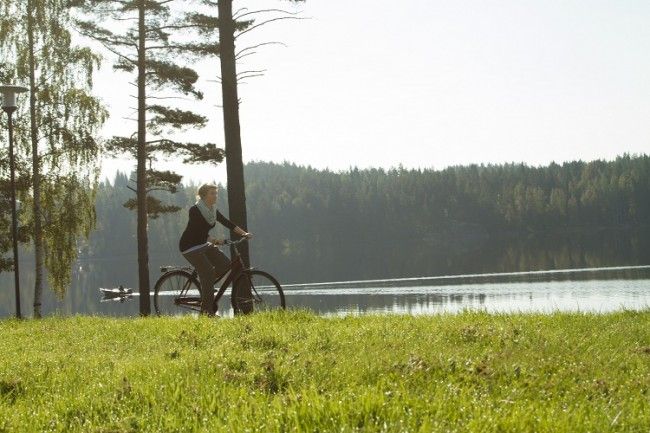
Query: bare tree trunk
234, 165
36, 169
141, 176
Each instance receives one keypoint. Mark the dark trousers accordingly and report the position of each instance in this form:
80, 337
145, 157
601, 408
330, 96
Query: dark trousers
210, 263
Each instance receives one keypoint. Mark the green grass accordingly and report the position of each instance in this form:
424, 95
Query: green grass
471, 372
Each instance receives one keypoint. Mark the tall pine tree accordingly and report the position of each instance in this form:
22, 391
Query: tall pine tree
149, 48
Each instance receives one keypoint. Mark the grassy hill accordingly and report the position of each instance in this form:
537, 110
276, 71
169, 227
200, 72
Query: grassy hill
471, 372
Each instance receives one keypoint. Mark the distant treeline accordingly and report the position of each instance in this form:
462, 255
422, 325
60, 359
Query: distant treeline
312, 225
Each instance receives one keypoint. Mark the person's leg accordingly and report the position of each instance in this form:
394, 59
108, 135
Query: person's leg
219, 261
204, 267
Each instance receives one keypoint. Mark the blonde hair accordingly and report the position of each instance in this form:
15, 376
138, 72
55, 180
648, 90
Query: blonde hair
203, 190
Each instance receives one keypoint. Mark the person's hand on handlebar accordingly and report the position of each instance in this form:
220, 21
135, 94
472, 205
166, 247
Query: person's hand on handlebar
214, 241
243, 233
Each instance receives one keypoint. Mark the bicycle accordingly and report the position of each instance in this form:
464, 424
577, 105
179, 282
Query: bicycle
173, 290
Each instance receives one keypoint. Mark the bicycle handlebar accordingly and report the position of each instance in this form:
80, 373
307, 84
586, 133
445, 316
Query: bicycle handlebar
229, 242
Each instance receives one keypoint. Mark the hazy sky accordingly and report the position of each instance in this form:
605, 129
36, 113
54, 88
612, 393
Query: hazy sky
430, 83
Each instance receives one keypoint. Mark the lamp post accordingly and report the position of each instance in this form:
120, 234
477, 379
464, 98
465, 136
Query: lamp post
9, 106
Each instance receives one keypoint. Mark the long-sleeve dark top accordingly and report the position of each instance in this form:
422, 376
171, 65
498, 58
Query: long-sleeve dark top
196, 232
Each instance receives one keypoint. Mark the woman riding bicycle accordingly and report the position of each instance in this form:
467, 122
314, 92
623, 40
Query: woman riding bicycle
199, 248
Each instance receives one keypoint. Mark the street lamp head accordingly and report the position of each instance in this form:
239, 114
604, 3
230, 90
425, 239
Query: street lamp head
9, 96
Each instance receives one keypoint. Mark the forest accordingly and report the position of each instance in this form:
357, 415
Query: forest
319, 225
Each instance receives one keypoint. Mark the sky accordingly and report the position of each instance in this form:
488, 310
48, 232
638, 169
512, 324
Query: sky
428, 84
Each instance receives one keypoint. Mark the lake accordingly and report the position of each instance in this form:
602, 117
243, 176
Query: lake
588, 289
594, 290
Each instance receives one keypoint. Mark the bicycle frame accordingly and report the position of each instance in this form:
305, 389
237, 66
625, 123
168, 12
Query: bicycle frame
235, 269
242, 301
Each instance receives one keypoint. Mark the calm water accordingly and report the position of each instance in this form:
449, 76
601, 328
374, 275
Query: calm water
598, 295
594, 290
609, 271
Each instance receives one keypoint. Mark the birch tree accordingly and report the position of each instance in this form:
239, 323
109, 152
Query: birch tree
64, 118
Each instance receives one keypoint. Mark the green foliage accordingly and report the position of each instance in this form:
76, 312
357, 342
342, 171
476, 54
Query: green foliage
68, 202
173, 118
180, 78
22, 191
193, 153
318, 225
115, 146
155, 207
67, 118
163, 71
163, 180
471, 372
201, 154
205, 24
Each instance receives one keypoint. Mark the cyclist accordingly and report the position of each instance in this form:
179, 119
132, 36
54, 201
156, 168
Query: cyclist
199, 248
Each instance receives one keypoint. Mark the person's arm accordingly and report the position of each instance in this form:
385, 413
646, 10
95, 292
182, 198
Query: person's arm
232, 226
242, 232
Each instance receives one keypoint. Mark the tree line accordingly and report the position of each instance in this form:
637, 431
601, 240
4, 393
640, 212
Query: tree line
320, 225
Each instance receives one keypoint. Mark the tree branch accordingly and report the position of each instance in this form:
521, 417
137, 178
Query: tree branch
252, 47
267, 22
236, 17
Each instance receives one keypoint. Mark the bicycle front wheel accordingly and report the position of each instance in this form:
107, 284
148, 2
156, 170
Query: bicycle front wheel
266, 293
177, 292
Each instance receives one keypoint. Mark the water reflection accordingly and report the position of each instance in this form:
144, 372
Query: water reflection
426, 297
593, 290
538, 296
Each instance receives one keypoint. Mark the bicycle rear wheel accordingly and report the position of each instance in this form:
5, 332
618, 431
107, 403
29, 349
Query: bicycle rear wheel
267, 295
176, 293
